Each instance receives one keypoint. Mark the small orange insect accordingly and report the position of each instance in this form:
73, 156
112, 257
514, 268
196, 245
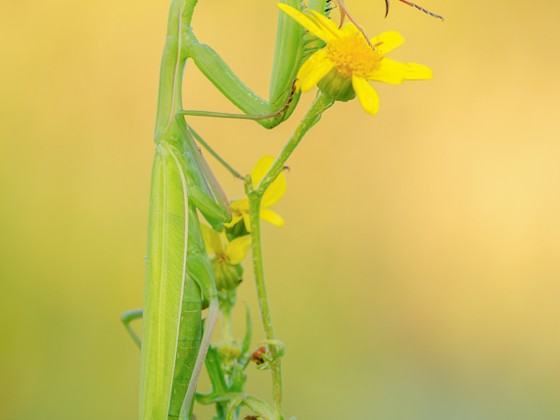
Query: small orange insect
258, 355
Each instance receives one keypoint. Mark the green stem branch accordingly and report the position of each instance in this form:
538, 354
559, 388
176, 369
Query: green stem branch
254, 215
321, 104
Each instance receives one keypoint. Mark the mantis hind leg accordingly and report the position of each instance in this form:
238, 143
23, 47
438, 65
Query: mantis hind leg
201, 270
209, 324
129, 316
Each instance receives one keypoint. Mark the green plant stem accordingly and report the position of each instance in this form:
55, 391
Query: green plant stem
254, 214
321, 104
227, 330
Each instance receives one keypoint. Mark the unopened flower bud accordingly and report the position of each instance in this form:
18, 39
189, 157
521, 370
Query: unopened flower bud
227, 276
229, 351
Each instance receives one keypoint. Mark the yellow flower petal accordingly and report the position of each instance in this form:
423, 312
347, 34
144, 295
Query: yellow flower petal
240, 205
237, 249
234, 219
311, 62
350, 29
366, 94
275, 192
327, 25
272, 217
390, 71
387, 41
247, 221
304, 21
314, 69
212, 240
259, 170
417, 72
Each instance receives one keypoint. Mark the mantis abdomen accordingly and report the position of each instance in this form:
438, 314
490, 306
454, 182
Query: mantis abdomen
173, 303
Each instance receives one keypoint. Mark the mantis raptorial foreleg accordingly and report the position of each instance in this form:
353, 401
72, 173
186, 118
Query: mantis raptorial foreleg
253, 117
289, 53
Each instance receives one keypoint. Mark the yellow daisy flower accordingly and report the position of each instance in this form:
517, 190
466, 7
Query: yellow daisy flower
343, 67
240, 208
226, 259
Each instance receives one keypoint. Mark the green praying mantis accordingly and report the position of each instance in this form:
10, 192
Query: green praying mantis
179, 278
179, 282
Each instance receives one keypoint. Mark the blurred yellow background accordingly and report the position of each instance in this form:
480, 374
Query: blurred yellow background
417, 276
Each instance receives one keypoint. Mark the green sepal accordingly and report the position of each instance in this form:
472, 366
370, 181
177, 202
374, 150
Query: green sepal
337, 86
237, 230
227, 276
257, 405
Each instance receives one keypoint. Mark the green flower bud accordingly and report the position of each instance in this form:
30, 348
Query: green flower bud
229, 351
228, 276
337, 86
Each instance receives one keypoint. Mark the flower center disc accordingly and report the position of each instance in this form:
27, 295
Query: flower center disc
353, 55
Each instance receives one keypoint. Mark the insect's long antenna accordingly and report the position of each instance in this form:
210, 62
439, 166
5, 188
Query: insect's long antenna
344, 13
416, 6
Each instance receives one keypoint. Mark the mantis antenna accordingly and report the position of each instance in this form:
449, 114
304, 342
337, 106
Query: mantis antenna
416, 6
344, 13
